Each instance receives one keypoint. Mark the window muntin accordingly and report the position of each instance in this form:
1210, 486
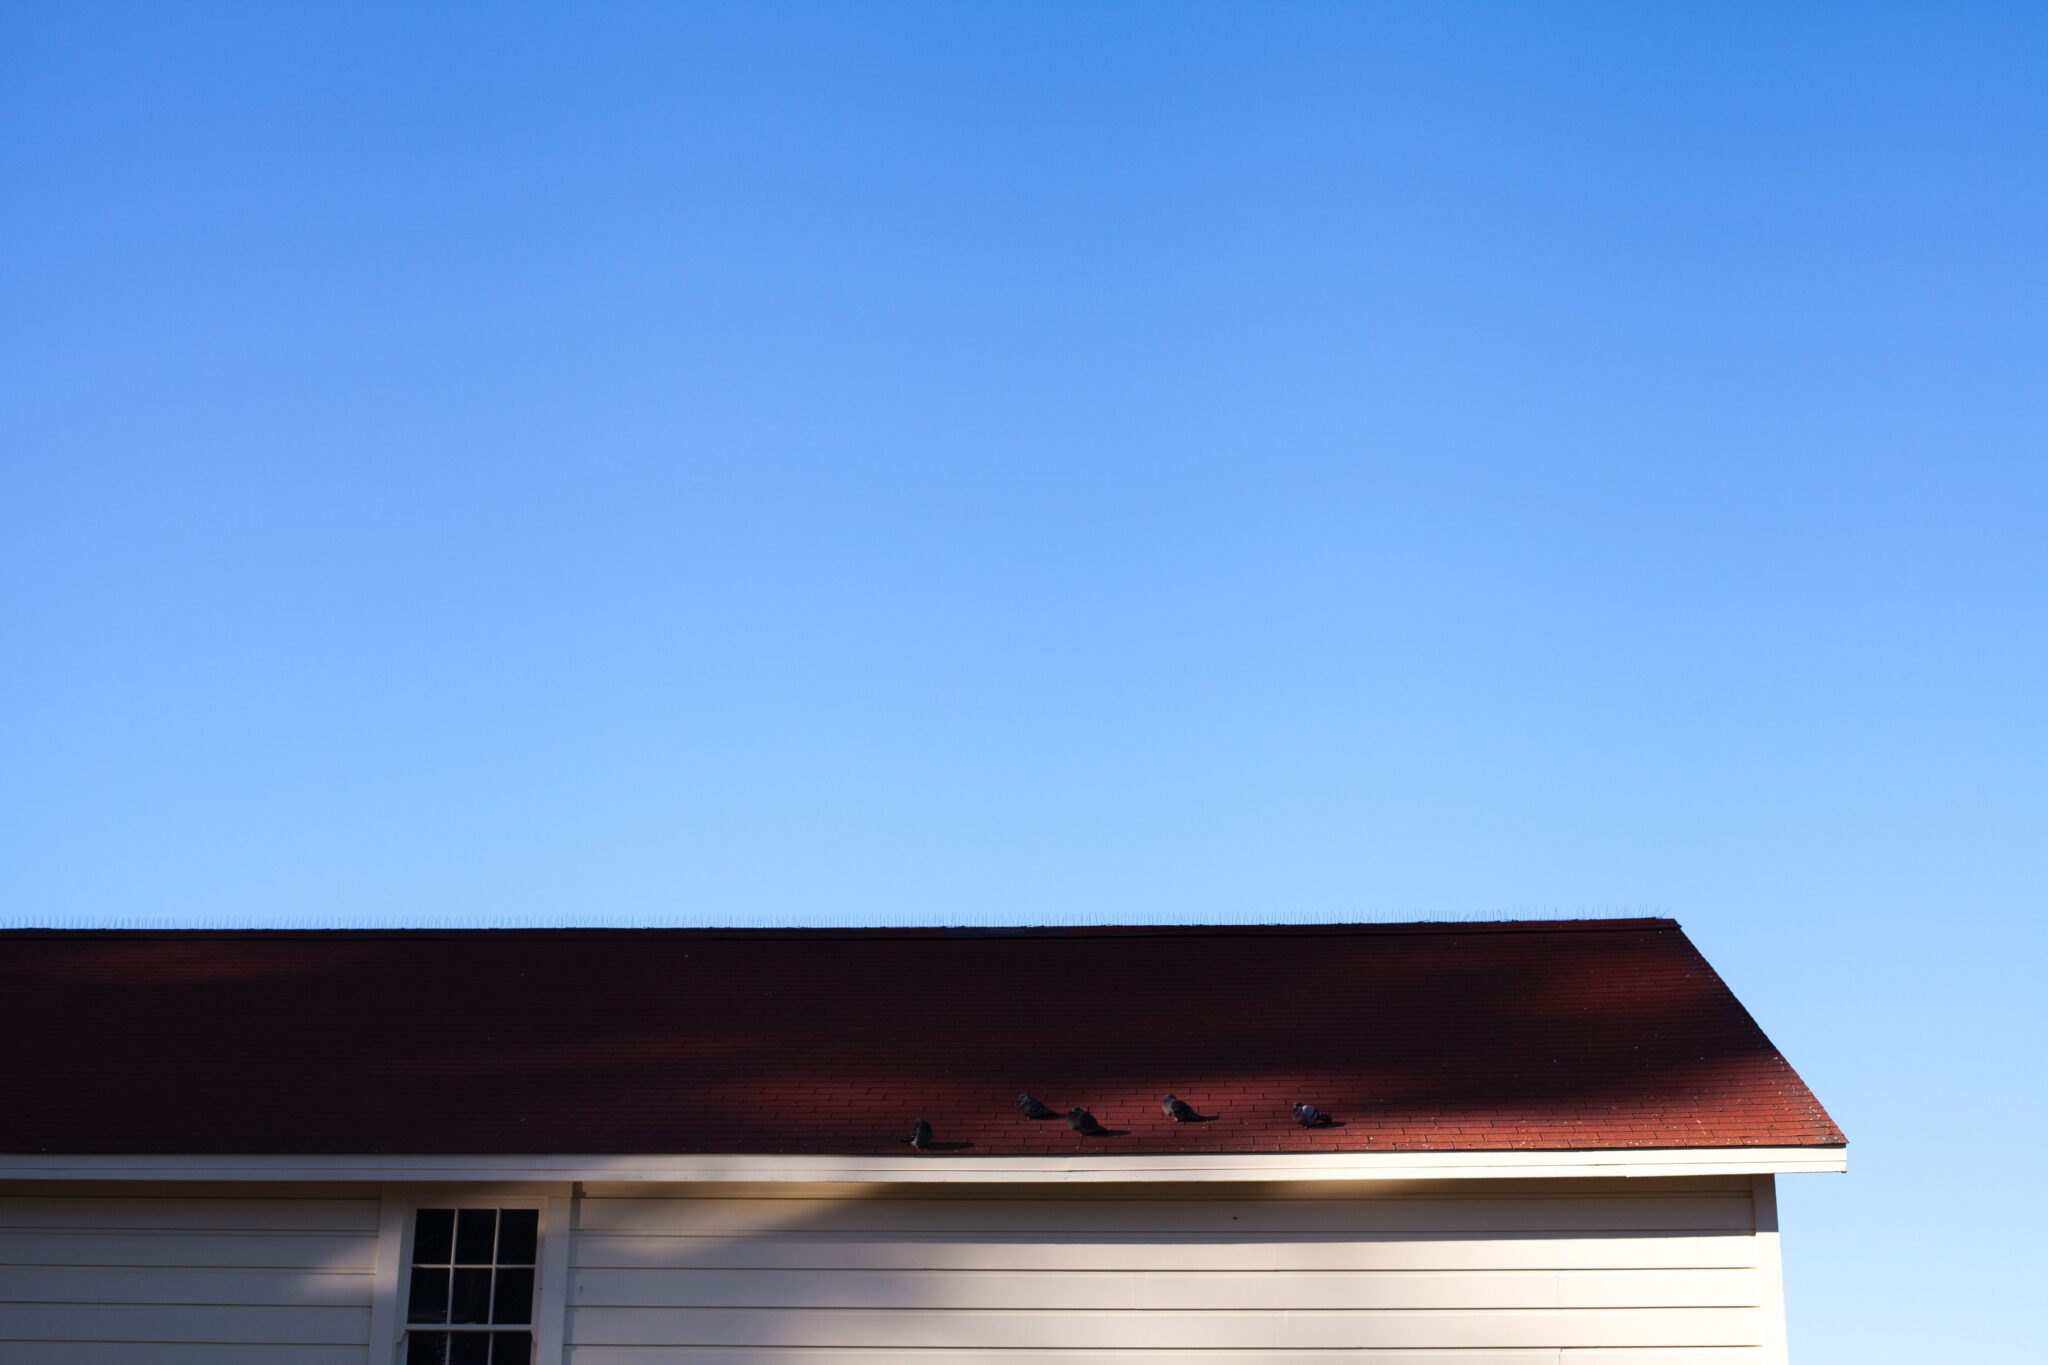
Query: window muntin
469, 1293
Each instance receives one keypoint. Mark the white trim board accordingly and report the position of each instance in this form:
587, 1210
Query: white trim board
1771, 1267
864, 1170
385, 1293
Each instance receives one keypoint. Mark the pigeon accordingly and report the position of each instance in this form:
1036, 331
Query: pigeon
1083, 1122
920, 1135
1178, 1109
1308, 1116
1032, 1107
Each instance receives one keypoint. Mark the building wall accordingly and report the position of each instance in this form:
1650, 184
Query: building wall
1640, 1272
173, 1278
1620, 1273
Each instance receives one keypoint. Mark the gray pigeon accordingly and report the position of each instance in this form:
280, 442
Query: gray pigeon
1308, 1116
1032, 1107
1179, 1110
1083, 1122
920, 1135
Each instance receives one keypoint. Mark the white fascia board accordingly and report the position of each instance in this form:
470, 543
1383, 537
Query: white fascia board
866, 1170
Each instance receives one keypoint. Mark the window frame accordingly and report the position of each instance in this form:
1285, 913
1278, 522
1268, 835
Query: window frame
399, 1221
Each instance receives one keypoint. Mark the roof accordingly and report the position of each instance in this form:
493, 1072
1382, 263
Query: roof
1428, 1037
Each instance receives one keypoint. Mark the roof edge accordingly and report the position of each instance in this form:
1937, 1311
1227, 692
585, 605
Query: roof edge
1169, 1168
880, 932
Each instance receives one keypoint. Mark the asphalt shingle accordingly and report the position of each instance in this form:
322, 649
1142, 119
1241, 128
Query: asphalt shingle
1426, 1037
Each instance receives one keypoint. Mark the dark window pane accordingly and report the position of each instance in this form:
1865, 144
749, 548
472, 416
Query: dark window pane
428, 1301
471, 1300
518, 1233
473, 1236
512, 1348
469, 1348
433, 1236
426, 1348
515, 1297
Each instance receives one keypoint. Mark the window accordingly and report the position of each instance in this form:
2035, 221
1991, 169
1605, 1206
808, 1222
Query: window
469, 1295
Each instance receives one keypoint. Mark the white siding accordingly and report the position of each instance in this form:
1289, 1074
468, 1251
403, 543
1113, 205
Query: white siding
1619, 1273
185, 1280
1529, 1272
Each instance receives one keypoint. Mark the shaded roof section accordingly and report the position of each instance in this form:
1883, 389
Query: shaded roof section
1428, 1037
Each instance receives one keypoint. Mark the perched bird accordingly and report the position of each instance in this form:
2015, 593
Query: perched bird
1178, 1109
920, 1135
1083, 1122
1308, 1116
1032, 1107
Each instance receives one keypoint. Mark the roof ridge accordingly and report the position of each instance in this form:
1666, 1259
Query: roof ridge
1340, 929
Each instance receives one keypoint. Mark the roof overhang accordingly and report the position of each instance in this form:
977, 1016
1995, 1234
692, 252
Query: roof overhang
867, 1170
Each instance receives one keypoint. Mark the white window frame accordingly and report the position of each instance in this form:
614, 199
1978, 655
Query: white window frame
388, 1327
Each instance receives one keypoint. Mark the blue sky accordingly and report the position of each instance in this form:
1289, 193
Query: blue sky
876, 463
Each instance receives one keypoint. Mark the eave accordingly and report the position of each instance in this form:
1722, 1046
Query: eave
942, 1169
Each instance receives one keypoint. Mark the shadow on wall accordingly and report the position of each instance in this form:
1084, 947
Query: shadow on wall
971, 1270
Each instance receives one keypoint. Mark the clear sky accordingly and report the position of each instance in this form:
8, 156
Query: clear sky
869, 464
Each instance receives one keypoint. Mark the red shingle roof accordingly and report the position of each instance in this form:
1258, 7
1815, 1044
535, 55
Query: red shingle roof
1589, 1034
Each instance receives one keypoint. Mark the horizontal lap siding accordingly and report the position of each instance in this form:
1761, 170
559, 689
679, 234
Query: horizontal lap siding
1055, 1291
731, 1355
179, 1281
1614, 1275
1082, 1251
1337, 1329
1692, 1213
